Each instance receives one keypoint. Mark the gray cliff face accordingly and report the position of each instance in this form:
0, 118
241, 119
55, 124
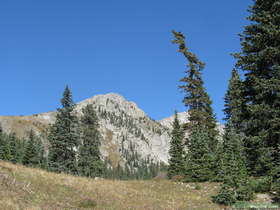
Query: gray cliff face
124, 127
123, 124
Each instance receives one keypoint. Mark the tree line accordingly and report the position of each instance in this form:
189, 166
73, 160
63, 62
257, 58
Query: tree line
246, 159
73, 147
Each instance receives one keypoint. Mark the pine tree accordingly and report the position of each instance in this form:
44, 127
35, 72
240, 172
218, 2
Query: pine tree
34, 152
259, 59
196, 98
64, 137
233, 172
90, 163
176, 152
200, 162
5, 151
15, 148
235, 102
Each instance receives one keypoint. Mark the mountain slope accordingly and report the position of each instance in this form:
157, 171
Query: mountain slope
125, 129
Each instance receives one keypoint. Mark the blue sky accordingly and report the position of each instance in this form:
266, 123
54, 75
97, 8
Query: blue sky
106, 46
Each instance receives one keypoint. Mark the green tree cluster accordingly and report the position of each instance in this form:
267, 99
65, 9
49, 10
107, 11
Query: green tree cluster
28, 151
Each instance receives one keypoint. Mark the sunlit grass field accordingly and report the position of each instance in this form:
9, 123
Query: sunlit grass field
34, 189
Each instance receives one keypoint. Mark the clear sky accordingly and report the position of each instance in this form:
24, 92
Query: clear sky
120, 46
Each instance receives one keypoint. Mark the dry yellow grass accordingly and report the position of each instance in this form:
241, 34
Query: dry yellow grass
34, 189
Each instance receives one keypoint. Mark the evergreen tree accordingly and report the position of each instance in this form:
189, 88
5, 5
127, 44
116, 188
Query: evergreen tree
233, 173
15, 148
176, 152
34, 152
259, 59
200, 163
234, 102
90, 163
64, 137
196, 98
5, 148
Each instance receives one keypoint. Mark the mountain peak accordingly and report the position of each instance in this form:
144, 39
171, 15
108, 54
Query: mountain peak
113, 102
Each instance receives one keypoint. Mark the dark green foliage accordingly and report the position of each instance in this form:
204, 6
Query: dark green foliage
261, 184
64, 137
11, 148
200, 163
233, 172
15, 148
259, 60
234, 102
196, 98
34, 151
145, 170
176, 151
276, 188
233, 165
90, 163
225, 196
5, 149
231, 193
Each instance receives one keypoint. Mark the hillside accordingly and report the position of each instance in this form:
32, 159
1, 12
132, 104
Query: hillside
26, 188
125, 129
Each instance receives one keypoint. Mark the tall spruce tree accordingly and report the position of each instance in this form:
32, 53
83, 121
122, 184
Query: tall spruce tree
90, 163
202, 141
200, 161
176, 151
64, 137
259, 59
233, 171
232, 146
196, 98
235, 102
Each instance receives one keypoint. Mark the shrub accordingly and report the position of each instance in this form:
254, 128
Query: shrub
276, 190
261, 185
197, 187
244, 193
88, 204
229, 195
226, 196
